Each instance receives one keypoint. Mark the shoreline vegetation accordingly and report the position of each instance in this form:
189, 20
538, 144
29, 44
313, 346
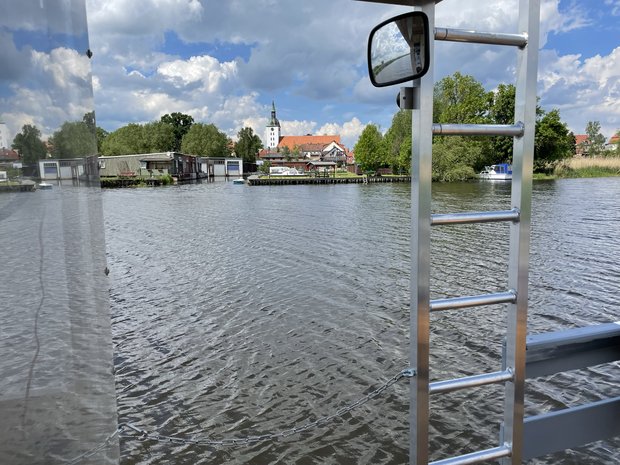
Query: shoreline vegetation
595, 167
583, 167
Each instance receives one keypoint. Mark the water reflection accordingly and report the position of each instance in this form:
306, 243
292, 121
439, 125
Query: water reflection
57, 396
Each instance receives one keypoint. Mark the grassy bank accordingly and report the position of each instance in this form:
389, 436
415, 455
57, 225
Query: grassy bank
584, 168
588, 168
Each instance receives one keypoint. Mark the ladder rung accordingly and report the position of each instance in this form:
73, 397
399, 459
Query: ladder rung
477, 37
470, 381
473, 301
515, 130
477, 457
475, 217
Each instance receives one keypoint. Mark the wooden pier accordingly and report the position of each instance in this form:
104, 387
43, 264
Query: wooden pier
293, 180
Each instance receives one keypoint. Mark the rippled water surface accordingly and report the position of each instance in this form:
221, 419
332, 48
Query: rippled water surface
242, 311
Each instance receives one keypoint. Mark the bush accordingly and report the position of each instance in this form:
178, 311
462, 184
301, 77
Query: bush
457, 173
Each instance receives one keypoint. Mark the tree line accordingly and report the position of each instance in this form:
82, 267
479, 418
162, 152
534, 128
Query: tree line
175, 132
460, 99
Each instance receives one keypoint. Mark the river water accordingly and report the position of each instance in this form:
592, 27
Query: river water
241, 311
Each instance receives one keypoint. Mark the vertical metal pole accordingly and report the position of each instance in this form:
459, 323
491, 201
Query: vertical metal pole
523, 155
419, 334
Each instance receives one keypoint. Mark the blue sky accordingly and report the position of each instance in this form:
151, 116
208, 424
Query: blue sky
225, 61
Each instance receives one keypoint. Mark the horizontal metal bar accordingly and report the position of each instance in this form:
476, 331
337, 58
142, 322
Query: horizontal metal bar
492, 38
477, 457
515, 130
475, 217
474, 300
470, 381
571, 349
571, 427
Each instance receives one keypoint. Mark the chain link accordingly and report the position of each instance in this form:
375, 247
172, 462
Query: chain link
130, 431
127, 430
96, 450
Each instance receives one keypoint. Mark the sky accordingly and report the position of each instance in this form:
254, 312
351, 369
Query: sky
225, 61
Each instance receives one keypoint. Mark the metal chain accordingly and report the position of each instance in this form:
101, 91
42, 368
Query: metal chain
128, 430
97, 449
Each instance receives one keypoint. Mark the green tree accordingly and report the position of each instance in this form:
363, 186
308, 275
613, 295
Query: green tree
248, 144
101, 136
370, 149
29, 144
553, 142
74, 140
596, 140
454, 158
502, 112
205, 140
125, 140
180, 123
460, 99
396, 139
157, 137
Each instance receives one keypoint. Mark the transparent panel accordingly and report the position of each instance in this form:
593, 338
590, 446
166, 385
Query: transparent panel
57, 397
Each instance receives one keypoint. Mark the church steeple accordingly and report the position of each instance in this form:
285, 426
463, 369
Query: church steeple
273, 129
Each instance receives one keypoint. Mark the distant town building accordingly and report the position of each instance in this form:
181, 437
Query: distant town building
582, 145
4, 136
297, 151
272, 135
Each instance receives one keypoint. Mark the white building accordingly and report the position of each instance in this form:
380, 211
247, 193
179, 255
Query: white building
4, 136
272, 134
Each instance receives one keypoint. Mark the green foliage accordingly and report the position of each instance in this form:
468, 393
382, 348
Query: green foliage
264, 168
502, 112
461, 99
74, 140
125, 140
158, 137
136, 138
248, 144
370, 149
553, 142
397, 142
29, 144
180, 123
205, 140
101, 136
454, 158
596, 140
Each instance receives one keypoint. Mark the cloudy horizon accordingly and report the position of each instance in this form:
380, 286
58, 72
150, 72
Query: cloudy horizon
225, 62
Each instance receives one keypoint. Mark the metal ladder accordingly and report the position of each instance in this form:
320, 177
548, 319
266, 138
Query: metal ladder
509, 449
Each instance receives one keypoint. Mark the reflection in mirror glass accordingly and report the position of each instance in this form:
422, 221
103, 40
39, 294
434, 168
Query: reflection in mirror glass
57, 396
398, 50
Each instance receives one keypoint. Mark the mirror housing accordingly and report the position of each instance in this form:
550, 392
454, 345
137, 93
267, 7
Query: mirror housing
398, 49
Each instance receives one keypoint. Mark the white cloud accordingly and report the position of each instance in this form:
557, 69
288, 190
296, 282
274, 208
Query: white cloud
64, 65
203, 69
583, 89
349, 131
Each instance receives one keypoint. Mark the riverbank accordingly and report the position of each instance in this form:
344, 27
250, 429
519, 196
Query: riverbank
584, 168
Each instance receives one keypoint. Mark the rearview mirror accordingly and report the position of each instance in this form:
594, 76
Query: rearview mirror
398, 49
